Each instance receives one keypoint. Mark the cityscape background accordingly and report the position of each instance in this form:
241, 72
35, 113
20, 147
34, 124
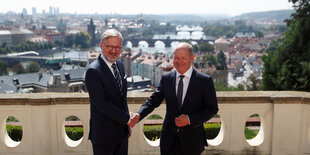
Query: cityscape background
258, 50
222, 7
49, 50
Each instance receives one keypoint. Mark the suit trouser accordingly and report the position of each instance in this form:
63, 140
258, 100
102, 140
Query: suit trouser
177, 150
120, 148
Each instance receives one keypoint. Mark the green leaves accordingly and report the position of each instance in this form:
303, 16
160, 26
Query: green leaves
288, 67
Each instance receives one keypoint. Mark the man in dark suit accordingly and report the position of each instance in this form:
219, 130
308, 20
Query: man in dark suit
190, 101
107, 86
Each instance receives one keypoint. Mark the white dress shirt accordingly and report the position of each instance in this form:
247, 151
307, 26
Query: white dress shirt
109, 65
111, 69
187, 77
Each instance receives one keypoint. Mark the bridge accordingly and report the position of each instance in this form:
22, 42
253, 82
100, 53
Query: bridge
15, 59
284, 129
167, 41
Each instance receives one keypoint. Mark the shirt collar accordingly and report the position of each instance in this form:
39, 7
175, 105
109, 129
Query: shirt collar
188, 73
106, 61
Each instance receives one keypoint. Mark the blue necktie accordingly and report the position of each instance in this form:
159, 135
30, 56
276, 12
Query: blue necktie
117, 78
180, 92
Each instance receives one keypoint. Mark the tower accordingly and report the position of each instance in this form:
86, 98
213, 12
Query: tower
91, 31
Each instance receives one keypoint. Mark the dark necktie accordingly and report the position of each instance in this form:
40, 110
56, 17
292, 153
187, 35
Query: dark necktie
117, 78
180, 91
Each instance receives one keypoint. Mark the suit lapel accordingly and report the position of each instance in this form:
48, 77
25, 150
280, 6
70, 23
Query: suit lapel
107, 74
173, 90
191, 87
173, 83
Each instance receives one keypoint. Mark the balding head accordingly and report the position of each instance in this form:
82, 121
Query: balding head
183, 57
185, 45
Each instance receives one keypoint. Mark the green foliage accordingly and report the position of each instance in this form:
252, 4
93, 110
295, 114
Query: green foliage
221, 87
69, 40
152, 132
230, 30
206, 47
82, 39
12, 119
259, 34
27, 46
221, 59
19, 69
155, 27
59, 43
250, 134
82, 64
209, 58
155, 117
3, 68
288, 67
220, 30
212, 130
15, 132
33, 67
74, 133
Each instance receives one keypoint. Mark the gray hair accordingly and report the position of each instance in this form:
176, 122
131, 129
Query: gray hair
111, 33
185, 45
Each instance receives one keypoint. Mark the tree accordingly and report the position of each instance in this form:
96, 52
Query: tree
3, 68
59, 43
253, 83
82, 39
206, 47
69, 40
221, 60
259, 34
288, 67
33, 67
210, 59
19, 69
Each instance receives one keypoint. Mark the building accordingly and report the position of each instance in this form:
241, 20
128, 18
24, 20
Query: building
15, 36
34, 11
6, 37
139, 83
92, 55
221, 44
72, 80
91, 28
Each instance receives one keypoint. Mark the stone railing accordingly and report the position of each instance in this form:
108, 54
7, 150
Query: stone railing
284, 129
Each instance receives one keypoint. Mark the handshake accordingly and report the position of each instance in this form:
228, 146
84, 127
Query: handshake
134, 119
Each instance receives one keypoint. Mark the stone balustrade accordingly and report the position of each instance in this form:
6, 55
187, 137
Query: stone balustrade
284, 129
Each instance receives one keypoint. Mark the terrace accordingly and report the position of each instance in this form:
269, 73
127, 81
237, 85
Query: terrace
284, 125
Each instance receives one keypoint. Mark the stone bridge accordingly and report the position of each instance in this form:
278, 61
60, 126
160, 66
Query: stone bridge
167, 42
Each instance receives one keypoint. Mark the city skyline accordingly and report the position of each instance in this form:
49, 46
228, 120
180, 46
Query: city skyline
223, 7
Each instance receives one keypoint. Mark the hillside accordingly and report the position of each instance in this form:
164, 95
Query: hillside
279, 15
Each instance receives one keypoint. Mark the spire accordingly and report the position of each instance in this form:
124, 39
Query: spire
91, 21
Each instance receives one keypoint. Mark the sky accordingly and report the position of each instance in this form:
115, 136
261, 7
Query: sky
227, 7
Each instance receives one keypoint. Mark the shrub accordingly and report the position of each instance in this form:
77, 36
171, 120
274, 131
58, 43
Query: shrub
152, 132
212, 130
15, 132
250, 134
75, 133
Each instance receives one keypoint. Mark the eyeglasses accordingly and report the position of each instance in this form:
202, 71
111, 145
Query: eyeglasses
110, 47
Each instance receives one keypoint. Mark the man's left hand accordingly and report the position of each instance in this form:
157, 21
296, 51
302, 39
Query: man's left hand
182, 120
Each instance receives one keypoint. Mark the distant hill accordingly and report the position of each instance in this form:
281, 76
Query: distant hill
279, 15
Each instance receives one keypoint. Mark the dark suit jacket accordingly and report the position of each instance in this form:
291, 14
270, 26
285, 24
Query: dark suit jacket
200, 104
108, 108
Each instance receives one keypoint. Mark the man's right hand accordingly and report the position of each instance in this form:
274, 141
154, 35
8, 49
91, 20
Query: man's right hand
134, 119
